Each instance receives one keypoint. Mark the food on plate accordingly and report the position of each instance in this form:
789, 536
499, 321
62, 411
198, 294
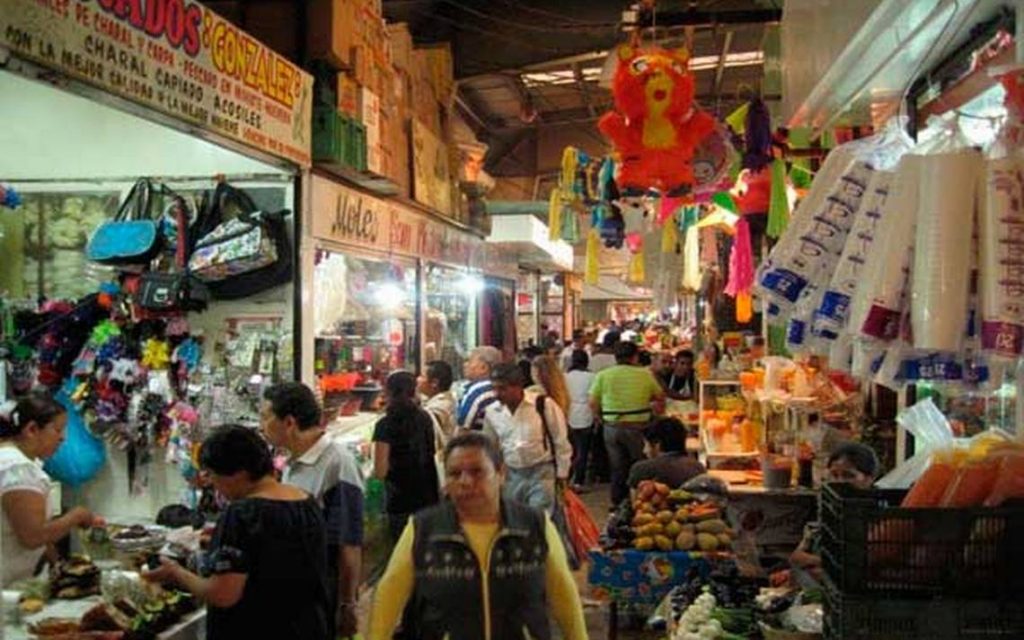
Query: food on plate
30, 605
75, 578
53, 626
134, 532
105, 617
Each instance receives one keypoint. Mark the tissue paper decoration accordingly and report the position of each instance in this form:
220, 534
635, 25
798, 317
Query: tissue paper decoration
947, 191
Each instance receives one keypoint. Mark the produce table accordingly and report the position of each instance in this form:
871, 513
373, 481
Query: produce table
629, 576
191, 627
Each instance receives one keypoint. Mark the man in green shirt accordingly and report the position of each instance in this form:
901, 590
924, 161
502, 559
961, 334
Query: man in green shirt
622, 397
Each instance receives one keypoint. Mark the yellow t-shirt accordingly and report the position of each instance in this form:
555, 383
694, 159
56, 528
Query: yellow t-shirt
395, 586
626, 388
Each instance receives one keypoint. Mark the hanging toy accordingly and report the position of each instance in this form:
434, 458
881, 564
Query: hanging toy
636, 271
670, 238
655, 126
613, 229
778, 207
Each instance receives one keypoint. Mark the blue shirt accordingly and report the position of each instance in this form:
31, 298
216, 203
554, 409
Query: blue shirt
479, 395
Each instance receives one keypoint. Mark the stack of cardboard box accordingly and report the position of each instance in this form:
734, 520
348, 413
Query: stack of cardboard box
369, 72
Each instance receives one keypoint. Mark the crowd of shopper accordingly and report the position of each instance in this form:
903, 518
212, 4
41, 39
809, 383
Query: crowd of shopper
472, 472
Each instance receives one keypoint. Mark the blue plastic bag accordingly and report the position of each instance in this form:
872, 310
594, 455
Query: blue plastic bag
81, 455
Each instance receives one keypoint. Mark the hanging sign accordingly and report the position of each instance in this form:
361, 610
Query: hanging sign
347, 216
176, 57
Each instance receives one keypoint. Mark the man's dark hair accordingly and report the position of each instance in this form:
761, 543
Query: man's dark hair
611, 339
475, 440
440, 372
668, 433
860, 456
646, 359
510, 374
625, 352
579, 361
685, 353
578, 334
234, 448
296, 400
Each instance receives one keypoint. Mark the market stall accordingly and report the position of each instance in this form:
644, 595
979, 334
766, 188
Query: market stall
146, 339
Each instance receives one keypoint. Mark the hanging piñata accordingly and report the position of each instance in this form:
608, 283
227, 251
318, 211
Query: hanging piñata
655, 126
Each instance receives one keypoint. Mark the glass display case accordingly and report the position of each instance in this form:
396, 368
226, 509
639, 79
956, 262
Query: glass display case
450, 327
365, 322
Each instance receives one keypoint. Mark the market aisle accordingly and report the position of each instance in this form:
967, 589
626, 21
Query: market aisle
597, 500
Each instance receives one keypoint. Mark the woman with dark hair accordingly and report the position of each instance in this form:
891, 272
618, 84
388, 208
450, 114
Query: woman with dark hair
580, 415
403, 452
268, 558
31, 429
477, 565
853, 463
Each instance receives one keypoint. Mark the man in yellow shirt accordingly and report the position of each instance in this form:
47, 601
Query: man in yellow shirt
477, 567
622, 397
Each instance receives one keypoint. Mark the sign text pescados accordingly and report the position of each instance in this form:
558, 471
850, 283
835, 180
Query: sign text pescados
175, 56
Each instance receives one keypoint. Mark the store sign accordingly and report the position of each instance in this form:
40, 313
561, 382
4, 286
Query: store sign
345, 215
174, 56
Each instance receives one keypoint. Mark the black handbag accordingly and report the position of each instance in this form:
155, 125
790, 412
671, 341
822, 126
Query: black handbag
173, 291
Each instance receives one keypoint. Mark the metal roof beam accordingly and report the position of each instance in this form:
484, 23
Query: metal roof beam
720, 70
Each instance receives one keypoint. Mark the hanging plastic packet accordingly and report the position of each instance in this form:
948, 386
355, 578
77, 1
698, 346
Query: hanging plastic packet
808, 251
1001, 227
831, 317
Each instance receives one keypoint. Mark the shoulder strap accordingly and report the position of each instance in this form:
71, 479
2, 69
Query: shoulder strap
549, 440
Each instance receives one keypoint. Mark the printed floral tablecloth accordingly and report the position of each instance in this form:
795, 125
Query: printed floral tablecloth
628, 575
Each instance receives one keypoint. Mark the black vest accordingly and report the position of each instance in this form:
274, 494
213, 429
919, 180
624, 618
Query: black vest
449, 595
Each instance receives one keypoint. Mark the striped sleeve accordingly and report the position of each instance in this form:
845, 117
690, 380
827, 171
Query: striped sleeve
471, 410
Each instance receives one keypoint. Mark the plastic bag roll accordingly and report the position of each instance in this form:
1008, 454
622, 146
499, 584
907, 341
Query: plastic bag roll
1001, 226
942, 249
877, 302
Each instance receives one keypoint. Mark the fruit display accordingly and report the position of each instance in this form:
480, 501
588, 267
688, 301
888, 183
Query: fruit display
674, 520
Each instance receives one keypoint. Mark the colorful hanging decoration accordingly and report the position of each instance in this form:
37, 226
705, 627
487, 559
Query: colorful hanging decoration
778, 207
156, 354
554, 215
592, 270
655, 127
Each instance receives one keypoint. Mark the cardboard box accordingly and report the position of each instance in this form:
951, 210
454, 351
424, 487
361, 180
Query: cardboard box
348, 95
370, 116
440, 68
332, 31
401, 46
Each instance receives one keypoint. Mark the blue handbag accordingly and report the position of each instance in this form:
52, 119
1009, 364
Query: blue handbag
133, 236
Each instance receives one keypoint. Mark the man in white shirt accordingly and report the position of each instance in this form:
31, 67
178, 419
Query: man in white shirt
578, 343
534, 442
435, 384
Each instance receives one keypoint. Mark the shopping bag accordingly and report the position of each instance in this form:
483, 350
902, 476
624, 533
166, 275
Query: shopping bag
376, 537
81, 455
559, 519
582, 529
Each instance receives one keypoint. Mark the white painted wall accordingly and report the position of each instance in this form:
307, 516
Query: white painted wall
52, 135
48, 133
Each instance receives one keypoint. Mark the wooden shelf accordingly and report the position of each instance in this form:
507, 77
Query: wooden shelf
370, 181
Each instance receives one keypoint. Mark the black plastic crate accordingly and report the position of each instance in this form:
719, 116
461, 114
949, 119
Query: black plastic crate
872, 546
884, 618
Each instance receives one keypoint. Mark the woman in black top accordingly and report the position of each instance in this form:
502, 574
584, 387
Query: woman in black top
266, 567
403, 453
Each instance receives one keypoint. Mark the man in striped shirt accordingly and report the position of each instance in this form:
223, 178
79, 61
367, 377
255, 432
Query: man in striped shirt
478, 394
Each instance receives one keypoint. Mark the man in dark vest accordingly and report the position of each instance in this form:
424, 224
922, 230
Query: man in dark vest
476, 566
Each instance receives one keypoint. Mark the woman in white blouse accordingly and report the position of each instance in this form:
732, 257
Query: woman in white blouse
31, 430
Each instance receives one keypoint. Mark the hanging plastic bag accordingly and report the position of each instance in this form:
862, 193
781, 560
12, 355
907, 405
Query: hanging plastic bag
582, 528
570, 231
81, 455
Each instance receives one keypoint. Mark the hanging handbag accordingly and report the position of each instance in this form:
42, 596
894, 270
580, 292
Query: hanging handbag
240, 251
133, 236
177, 291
